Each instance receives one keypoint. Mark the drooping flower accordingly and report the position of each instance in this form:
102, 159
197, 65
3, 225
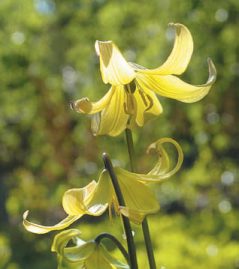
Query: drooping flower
82, 255
133, 87
96, 197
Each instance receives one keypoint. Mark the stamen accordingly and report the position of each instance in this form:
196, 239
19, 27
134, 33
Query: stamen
130, 104
143, 97
143, 94
125, 108
151, 102
130, 87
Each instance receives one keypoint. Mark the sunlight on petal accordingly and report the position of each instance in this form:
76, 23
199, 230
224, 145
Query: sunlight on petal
41, 229
173, 87
114, 68
84, 105
90, 255
87, 200
162, 169
139, 198
75, 200
113, 119
180, 56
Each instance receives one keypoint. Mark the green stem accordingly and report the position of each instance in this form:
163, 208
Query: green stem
130, 146
145, 226
126, 223
102, 236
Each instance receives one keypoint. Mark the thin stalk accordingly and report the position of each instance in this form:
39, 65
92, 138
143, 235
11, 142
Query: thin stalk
145, 226
126, 223
130, 146
102, 236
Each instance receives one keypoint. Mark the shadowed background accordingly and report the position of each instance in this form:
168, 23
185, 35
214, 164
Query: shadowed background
47, 59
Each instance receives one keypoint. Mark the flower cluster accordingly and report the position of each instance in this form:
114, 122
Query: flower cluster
131, 97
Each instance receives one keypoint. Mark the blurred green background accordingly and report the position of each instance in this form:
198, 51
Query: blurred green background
47, 59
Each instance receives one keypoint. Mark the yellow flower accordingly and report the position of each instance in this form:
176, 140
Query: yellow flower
133, 87
96, 197
88, 255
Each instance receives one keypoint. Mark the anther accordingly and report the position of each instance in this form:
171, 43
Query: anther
151, 102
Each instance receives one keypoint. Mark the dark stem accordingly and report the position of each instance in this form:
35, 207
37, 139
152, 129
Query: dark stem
126, 223
102, 236
145, 226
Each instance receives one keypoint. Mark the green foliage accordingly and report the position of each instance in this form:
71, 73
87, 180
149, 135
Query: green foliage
47, 59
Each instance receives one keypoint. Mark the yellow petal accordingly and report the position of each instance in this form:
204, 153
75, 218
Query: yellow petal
136, 216
92, 202
84, 105
180, 56
75, 254
147, 102
97, 260
41, 229
75, 201
114, 68
113, 119
172, 87
162, 169
139, 198
111, 259
61, 240
80, 253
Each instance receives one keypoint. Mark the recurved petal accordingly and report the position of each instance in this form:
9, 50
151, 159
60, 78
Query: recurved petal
139, 198
91, 200
74, 254
180, 55
173, 87
162, 169
62, 239
114, 68
41, 229
84, 105
113, 119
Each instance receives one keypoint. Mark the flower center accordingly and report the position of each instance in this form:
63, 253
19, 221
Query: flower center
130, 104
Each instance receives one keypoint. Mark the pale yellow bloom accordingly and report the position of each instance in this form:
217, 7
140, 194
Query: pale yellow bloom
133, 87
83, 255
96, 197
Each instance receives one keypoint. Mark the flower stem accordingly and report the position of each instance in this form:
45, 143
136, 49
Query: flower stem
127, 226
145, 226
102, 236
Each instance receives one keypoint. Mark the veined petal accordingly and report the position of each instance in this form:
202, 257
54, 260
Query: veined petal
76, 202
113, 119
139, 198
162, 168
84, 105
114, 68
173, 87
180, 56
41, 229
